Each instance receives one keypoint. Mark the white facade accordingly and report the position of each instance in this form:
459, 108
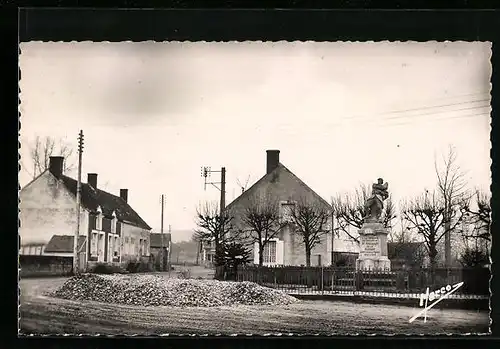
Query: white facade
47, 208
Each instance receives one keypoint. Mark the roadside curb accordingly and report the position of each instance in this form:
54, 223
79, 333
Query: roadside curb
451, 303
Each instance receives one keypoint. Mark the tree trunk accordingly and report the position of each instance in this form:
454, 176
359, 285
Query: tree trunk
261, 255
261, 263
308, 256
198, 254
217, 253
433, 256
433, 260
447, 244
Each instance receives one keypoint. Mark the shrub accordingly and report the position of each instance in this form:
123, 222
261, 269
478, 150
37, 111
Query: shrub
229, 257
102, 268
138, 267
474, 258
184, 274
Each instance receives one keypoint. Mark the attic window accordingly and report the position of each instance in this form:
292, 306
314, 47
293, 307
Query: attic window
98, 221
286, 209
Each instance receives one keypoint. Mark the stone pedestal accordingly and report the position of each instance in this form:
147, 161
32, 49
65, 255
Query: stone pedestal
373, 247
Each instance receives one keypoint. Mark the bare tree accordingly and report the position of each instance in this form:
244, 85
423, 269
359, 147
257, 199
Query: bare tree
43, 148
213, 227
402, 235
262, 222
426, 216
476, 230
311, 223
405, 246
451, 186
349, 210
242, 186
479, 217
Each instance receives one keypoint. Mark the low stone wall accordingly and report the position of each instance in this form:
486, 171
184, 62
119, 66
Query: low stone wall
40, 266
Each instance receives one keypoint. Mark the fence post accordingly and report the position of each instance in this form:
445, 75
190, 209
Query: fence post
322, 280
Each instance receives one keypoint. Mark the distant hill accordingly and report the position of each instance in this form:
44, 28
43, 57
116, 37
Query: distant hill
178, 235
184, 251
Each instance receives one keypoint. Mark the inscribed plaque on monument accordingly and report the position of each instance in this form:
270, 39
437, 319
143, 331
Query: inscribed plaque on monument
370, 246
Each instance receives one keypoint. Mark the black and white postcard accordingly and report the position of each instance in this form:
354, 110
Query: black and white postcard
205, 188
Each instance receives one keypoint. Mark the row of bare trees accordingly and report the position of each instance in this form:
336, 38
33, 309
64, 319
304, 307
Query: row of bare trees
261, 222
449, 210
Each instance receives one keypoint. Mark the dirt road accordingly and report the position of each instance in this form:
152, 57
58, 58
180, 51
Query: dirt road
47, 315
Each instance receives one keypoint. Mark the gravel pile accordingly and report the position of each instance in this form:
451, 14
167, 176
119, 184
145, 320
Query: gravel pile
154, 290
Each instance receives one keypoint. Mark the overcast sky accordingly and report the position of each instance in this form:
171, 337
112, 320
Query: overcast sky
341, 114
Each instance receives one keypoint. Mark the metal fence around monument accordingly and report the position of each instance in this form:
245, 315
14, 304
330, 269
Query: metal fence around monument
348, 281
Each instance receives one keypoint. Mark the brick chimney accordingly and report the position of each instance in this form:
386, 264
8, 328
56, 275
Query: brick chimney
124, 194
92, 180
273, 159
56, 165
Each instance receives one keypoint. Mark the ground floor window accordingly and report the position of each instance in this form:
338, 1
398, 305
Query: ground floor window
116, 247
93, 244
269, 253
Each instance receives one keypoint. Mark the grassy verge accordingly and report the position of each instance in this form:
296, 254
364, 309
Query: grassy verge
42, 314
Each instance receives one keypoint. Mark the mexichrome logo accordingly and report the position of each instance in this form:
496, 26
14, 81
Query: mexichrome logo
437, 295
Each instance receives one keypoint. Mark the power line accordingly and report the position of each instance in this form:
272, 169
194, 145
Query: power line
420, 108
425, 114
433, 119
438, 112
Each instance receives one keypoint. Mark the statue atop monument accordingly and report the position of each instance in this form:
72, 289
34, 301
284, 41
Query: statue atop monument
375, 203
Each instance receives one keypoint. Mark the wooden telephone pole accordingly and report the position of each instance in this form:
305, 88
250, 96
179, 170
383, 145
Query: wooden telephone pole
205, 172
162, 253
76, 253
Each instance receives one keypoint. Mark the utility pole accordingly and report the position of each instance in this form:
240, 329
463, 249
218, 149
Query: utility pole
205, 172
169, 253
333, 235
76, 259
161, 235
222, 190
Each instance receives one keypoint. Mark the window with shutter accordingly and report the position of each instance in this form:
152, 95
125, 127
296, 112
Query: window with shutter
93, 244
106, 225
255, 253
92, 221
110, 248
98, 224
269, 252
116, 245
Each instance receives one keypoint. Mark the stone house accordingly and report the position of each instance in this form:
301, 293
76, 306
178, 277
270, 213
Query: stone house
281, 185
207, 251
155, 247
114, 233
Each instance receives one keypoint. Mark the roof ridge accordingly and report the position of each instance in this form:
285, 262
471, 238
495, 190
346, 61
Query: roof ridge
130, 215
280, 165
308, 187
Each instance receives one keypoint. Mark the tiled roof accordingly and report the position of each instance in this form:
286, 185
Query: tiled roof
155, 240
92, 198
269, 178
64, 244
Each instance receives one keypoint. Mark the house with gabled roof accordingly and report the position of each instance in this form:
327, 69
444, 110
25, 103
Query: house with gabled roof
283, 186
113, 231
